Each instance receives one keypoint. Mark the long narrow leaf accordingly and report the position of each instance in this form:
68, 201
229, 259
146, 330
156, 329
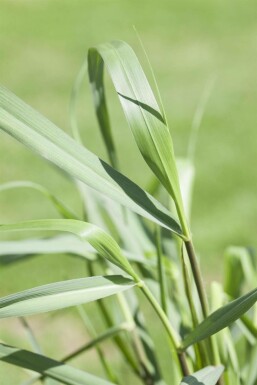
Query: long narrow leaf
110, 333
33, 130
221, 318
60, 295
104, 244
140, 107
54, 369
11, 251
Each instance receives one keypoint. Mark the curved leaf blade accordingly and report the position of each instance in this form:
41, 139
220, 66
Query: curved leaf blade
140, 107
102, 242
221, 318
36, 132
60, 295
47, 366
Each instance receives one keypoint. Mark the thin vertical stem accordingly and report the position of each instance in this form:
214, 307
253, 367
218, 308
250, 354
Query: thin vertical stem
161, 274
137, 343
173, 337
197, 277
202, 295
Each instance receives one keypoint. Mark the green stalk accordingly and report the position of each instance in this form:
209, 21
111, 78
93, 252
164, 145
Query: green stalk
107, 367
202, 295
173, 336
110, 333
137, 344
126, 352
118, 340
198, 280
89, 345
161, 273
197, 277
199, 348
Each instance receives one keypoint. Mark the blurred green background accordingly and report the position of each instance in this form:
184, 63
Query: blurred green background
42, 45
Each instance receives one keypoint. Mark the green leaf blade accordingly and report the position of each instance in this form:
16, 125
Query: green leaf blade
54, 369
102, 242
60, 295
221, 318
36, 132
140, 107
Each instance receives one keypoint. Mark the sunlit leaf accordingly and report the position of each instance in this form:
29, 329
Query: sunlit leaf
206, 376
11, 251
33, 130
60, 295
140, 107
103, 243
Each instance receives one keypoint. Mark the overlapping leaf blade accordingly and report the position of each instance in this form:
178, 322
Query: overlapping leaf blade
140, 107
54, 369
33, 130
104, 244
221, 318
63, 294
10, 251
206, 376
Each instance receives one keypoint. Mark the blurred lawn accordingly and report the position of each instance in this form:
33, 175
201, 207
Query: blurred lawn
42, 45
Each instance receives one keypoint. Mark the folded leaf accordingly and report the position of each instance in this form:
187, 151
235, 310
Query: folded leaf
140, 107
60, 295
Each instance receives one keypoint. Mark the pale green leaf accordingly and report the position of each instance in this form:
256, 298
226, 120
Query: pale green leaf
103, 243
33, 130
207, 376
186, 171
10, 251
63, 294
140, 107
239, 270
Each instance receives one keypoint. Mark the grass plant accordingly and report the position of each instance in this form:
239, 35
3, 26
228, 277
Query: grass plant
136, 245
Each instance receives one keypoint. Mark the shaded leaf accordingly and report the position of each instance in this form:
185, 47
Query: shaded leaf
47, 366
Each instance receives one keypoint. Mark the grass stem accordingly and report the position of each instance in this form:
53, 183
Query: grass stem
173, 337
161, 274
197, 277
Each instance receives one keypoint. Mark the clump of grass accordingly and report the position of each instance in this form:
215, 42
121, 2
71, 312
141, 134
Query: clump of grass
134, 243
